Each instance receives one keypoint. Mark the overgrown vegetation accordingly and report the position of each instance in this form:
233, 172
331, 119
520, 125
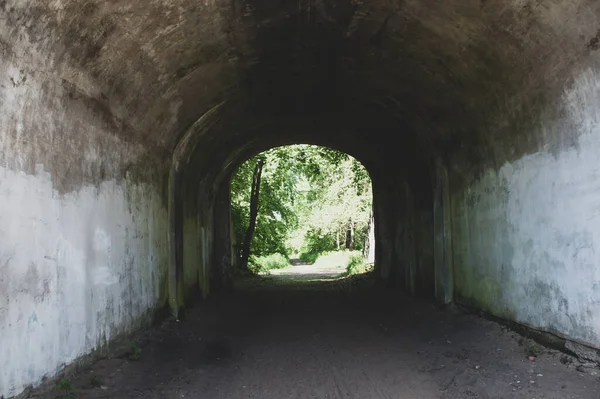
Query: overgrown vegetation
258, 264
357, 264
309, 257
299, 201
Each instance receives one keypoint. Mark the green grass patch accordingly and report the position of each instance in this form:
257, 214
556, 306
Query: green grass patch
258, 264
357, 264
66, 390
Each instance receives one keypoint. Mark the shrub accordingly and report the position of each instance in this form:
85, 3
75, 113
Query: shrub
259, 264
357, 264
316, 242
308, 257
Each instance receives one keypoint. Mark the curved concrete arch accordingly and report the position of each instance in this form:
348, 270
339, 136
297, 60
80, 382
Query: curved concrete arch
208, 180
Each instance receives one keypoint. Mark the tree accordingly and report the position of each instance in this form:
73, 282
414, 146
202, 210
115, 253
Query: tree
276, 213
306, 199
340, 204
254, 197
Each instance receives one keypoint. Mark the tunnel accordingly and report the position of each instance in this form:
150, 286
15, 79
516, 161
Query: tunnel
122, 122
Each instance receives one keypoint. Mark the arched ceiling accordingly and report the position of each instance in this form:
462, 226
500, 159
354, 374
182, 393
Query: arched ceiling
455, 73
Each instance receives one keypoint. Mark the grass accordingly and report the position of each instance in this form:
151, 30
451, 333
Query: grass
353, 261
357, 264
258, 264
66, 390
345, 263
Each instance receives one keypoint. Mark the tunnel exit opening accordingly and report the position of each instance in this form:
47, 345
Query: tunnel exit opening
302, 212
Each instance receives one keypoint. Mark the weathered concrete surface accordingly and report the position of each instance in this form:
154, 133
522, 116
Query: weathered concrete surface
198, 227
75, 271
526, 235
83, 221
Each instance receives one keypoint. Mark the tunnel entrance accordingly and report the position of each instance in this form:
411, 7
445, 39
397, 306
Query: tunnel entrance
302, 212
122, 123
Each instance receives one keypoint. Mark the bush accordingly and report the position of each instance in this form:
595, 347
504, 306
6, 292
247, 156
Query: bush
308, 257
357, 264
317, 242
258, 264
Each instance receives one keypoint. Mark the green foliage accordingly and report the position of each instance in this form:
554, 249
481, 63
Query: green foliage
316, 243
310, 197
259, 264
308, 257
338, 201
276, 213
135, 351
357, 264
66, 389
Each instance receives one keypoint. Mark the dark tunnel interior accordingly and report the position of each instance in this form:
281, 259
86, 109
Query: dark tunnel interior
122, 122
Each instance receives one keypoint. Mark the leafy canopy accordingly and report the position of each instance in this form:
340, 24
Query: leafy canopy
311, 199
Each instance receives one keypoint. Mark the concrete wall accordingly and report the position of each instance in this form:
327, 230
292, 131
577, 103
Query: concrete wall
404, 246
83, 226
75, 270
197, 239
526, 236
425, 278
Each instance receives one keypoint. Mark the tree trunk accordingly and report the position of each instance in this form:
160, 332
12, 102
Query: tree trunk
254, 195
369, 251
350, 235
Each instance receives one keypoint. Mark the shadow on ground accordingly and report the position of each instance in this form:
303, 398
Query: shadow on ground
275, 338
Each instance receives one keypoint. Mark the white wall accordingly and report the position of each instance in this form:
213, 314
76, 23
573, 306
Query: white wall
83, 243
527, 236
75, 270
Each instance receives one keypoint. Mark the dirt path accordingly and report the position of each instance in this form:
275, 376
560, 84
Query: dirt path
301, 271
277, 339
